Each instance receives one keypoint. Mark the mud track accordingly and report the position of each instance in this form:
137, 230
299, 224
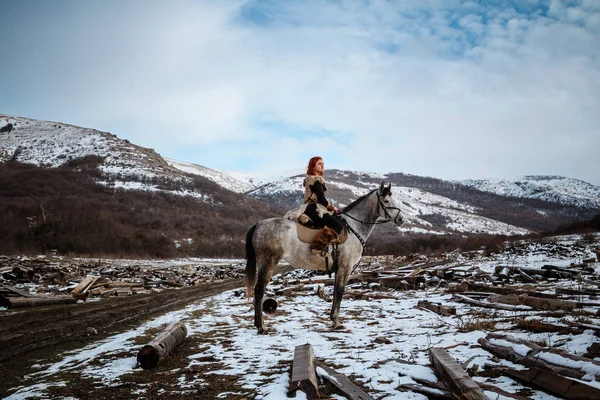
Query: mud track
26, 330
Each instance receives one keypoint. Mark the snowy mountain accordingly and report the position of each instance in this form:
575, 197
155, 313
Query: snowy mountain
229, 182
432, 206
53, 144
420, 207
556, 189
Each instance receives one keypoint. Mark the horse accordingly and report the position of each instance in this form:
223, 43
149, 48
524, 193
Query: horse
271, 240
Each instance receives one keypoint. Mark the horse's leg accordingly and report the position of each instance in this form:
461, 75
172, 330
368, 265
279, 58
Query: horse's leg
264, 276
341, 278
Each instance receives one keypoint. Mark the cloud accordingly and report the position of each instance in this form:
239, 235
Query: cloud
448, 89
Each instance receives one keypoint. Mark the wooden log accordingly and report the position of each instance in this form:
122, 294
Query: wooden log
499, 306
477, 287
437, 308
429, 392
112, 285
577, 292
342, 383
495, 389
554, 384
14, 291
538, 303
321, 293
304, 376
21, 302
530, 354
533, 325
269, 305
454, 376
525, 275
85, 284
158, 348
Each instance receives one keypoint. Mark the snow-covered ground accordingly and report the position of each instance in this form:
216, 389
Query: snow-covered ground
385, 343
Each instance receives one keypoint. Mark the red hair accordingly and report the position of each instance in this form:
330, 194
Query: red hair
312, 163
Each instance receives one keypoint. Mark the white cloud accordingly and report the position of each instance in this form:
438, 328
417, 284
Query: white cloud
439, 88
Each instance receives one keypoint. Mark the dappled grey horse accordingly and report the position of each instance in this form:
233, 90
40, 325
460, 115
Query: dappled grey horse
271, 240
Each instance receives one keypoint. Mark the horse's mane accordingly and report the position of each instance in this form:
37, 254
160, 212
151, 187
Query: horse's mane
357, 201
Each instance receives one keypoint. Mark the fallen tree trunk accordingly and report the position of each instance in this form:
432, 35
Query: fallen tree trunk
158, 348
532, 355
454, 376
553, 383
21, 302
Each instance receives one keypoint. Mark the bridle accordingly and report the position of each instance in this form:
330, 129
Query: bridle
397, 220
388, 218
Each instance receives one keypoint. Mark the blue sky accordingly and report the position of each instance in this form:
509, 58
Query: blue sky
443, 88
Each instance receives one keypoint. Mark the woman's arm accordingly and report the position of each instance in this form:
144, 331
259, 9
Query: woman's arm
317, 188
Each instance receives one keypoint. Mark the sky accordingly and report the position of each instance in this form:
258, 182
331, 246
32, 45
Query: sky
442, 88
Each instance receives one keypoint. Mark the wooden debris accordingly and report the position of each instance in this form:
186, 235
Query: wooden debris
342, 383
495, 389
269, 305
534, 302
158, 348
553, 383
500, 306
303, 372
454, 376
321, 293
437, 308
533, 325
538, 356
577, 292
429, 392
84, 285
9, 291
21, 302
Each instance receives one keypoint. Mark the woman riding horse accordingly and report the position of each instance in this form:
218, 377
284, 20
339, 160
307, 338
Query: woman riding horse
318, 209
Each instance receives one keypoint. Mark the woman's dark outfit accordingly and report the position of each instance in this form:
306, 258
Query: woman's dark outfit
317, 206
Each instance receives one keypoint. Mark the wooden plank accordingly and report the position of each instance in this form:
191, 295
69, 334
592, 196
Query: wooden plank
342, 383
14, 290
304, 376
85, 284
499, 306
553, 383
454, 376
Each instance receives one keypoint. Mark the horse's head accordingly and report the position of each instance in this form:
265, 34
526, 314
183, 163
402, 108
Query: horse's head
387, 208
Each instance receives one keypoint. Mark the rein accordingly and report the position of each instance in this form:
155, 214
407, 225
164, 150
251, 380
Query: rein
386, 213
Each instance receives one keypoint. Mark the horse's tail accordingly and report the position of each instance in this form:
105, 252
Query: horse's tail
250, 262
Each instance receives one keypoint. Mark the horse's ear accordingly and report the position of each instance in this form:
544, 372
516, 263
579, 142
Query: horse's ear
381, 187
389, 188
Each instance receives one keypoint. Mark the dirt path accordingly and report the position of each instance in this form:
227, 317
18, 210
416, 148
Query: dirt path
25, 334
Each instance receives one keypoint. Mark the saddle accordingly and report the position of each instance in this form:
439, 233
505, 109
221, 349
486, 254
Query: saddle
307, 233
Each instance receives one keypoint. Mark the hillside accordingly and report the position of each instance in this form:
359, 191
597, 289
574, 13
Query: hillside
81, 191
107, 185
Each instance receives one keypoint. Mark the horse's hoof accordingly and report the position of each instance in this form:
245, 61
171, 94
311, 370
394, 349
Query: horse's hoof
262, 331
338, 326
